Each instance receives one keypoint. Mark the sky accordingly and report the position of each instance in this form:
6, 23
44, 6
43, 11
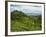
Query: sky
26, 8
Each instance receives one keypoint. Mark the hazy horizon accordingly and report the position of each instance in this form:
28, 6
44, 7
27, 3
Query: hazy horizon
26, 9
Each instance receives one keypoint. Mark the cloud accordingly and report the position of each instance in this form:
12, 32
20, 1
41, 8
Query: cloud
27, 9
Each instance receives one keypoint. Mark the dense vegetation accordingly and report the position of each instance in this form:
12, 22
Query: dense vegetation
23, 22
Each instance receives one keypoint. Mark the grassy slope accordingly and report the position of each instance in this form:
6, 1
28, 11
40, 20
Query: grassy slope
21, 22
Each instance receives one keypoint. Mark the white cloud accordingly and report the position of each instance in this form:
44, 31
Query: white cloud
27, 9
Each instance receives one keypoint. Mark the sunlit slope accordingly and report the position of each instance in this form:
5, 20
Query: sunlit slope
23, 22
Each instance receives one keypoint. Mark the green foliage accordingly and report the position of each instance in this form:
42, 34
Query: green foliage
17, 15
22, 22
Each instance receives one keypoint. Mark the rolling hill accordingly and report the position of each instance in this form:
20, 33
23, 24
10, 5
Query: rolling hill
22, 22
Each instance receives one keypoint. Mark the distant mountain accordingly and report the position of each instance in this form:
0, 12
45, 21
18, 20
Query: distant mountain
20, 13
33, 14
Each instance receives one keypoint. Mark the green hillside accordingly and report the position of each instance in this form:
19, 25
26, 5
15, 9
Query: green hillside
23, 22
